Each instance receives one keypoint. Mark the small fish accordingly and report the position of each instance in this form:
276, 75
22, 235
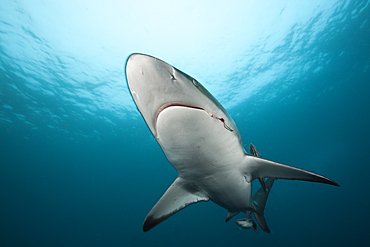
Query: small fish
247, 223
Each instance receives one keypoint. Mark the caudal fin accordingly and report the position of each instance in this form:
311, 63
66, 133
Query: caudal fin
259, 202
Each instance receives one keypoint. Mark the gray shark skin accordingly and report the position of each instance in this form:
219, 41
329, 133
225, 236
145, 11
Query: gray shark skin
200, 140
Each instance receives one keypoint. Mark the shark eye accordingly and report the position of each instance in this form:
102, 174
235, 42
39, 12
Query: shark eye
195, 83
172, 73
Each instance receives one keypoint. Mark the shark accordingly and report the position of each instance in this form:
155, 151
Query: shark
201, 141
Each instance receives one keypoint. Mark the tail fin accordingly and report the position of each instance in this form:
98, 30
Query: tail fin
259, 202
255, 167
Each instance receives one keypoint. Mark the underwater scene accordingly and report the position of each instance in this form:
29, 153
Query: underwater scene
92, 136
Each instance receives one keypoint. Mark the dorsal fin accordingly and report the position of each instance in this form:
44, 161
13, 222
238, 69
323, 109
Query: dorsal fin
253, 150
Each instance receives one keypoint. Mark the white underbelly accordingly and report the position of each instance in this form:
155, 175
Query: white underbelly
203, 151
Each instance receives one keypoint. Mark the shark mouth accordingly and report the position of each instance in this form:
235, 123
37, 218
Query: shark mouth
165, 106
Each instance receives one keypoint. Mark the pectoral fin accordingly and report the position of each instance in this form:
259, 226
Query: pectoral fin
179, 195
256, 167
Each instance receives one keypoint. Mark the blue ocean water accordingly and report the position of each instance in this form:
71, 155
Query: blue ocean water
79, 167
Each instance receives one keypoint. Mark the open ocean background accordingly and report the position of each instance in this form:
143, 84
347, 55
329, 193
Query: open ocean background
79, 167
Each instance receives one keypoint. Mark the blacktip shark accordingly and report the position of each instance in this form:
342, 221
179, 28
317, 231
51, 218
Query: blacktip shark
200, 140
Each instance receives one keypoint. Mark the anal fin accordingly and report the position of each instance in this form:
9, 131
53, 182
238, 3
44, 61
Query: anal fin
230, 215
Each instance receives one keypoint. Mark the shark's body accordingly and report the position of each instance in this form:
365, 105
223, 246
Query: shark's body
200, 140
